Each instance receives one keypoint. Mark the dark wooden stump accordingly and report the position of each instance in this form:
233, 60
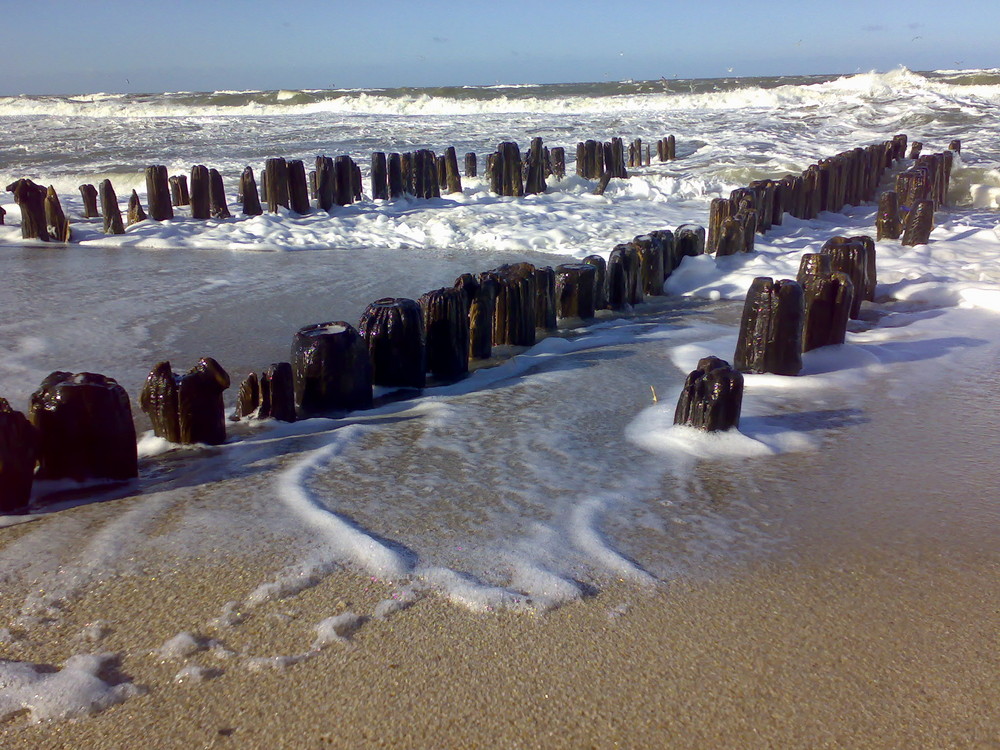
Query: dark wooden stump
468, 284
248, 399
446, 325
471, 167
406, 170
277, 393
828, 299
850, 257
158, 400
576, 284
396, 186
218, 205
618, 279
514, 321
871, 270
712, 397
915, 149
326, 182
201, 193
651, 274
534, 182
393, 330
55, 219
30, 198
482, 311
545, 302
276, 184
249, 194
919, 224
85, 428
689, 241
764, 190
558, 157
179, 190
887, 224
453, 179
357, 183
813, 264
667, 242
600, 280
332, 369
442, 176
731, 237
380, 177
158, 193
748, 218
509, 162
955, 146
298, 188
770, 338
3, 212
343, 167
18, 454
109, 209
89, 195
719, 210
187, 408
135, 213
671, 148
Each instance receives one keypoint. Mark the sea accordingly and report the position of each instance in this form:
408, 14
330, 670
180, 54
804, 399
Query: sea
554, 471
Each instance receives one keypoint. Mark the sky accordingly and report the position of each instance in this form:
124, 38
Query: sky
89, 46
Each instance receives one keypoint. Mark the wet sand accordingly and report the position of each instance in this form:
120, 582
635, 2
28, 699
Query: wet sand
876, 625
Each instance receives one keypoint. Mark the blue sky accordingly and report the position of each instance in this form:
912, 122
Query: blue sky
81, 46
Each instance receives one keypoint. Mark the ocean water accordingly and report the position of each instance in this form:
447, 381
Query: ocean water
532, 483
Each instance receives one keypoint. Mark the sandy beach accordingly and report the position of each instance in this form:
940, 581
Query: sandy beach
876, 625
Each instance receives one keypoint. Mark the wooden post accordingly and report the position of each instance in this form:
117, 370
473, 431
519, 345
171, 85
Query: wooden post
109, 209
380, 177
343, 167
393, 330
331, 367
277, 393
187, 408
600, 280
406, 170
712, 397
18, 454
671, 148
470, 164
576, 284
850, 256
158, 193
453, 180
650, 252
248, 398
919, 224
217, 205
30, 198
396, 184
446, 325
89, 194
326, 182
828, 299
55, 219
298, 190
201, 192
442, 172
558, 156
276, 184
482, 311
135, 212
545, 301
179, 190
535, 181
248, 191
770, 338
719, 210
357, 184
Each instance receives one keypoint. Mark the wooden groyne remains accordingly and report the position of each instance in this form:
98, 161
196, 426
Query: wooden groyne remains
79, 425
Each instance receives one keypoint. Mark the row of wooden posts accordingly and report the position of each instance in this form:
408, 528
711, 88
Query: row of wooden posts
334, 181
783, 319
79, 425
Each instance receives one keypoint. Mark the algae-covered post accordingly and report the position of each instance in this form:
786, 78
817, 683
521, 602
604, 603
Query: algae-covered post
85, 428
109, 208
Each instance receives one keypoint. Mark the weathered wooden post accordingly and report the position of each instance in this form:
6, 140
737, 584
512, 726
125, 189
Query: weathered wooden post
919, 224
248, 398
18, 454
89, 195
380, 177
276, 183
871, 270
201, 192
357, 182
30, 198
509, 160
850, 256
576, 284
332, 368
712, 397
298, 189
248, 191
158, 193
748, 218
618, 279
719, 210
442, 172
732, 236
406, 169
671, 148
827, 300
689, 241
135, 213
514, 320
396, 184
446, 325
218, 206
770, 338
326, 179
393, 330
482, 311
915, 148
600, 280
453, 179
343, 167
277, 393
545, 302
55, 220
187, 408
179, 190
85, 428
534, 182
470, 164
109, 209
956, 146
3, 212
651, 274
